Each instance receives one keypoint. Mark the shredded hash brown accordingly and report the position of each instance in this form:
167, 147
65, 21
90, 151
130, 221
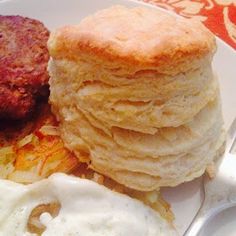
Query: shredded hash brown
34, 151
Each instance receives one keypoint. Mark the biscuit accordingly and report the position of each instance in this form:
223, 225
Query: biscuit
134, 92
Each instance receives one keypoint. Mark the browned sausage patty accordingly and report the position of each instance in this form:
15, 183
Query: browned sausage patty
23, 65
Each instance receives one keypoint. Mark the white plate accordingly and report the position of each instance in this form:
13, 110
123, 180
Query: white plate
186, 198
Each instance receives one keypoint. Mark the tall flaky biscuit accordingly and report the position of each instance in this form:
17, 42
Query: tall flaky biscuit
135, 95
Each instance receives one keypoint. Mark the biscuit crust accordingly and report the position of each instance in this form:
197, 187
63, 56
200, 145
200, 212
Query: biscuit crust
137, 37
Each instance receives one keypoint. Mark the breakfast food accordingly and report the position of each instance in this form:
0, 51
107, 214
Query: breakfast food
76, 207
35, 151
23, 65
136, 96
31, 149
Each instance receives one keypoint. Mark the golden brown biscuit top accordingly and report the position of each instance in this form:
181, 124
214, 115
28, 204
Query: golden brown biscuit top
138, 36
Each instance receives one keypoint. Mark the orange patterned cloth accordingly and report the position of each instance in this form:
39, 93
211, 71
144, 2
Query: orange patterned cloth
219, 16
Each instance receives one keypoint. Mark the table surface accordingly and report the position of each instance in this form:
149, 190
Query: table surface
219, 16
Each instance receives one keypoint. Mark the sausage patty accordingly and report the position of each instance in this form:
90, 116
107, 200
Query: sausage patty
23, 65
